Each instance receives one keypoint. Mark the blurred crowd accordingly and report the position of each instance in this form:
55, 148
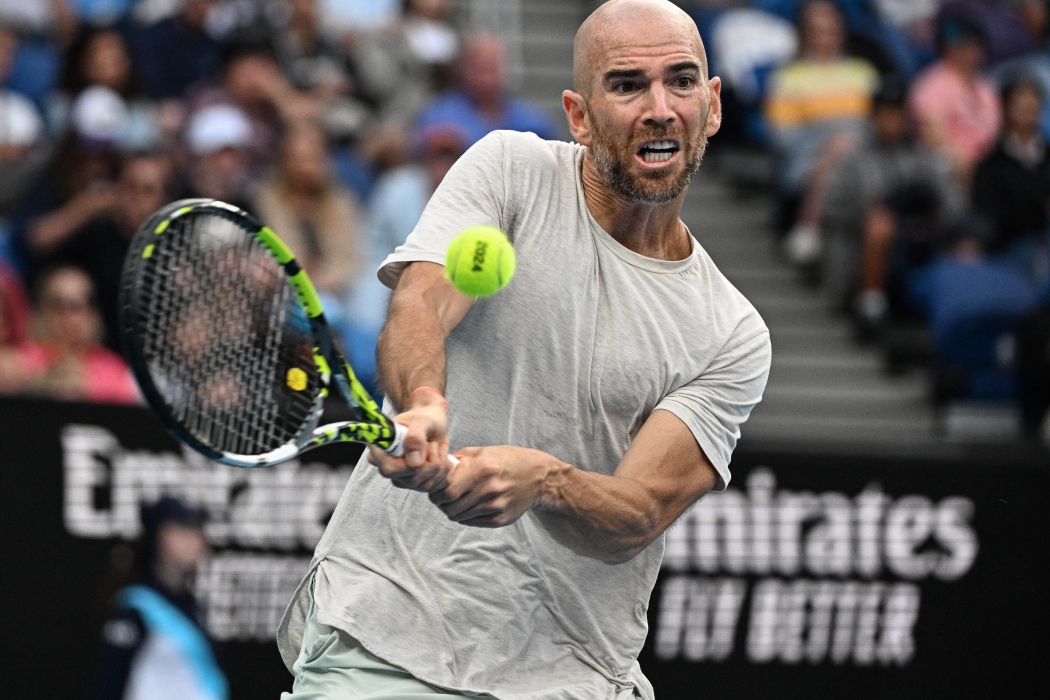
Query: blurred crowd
331, 120
912, 172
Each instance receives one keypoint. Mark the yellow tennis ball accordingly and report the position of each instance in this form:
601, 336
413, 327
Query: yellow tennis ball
480, 261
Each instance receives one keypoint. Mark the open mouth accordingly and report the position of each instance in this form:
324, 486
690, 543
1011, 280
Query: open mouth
658, 151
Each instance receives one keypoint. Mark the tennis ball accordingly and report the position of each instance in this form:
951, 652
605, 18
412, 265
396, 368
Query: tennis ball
480, 261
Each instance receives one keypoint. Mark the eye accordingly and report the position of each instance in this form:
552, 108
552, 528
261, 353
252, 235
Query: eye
624, 88
683, 81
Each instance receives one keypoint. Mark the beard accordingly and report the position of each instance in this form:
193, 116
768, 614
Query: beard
613, 164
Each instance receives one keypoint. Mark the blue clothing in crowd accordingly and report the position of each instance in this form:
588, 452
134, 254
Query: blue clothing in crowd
456, 108
171, 56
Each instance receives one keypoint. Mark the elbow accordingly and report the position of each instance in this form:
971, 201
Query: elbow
627, 548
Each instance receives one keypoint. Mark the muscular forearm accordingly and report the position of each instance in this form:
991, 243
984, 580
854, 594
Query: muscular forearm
411, 352
609, 518
423, 311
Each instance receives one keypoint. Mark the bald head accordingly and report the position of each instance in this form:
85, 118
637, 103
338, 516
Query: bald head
618, 22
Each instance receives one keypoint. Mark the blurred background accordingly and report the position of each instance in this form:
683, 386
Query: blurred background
880, 190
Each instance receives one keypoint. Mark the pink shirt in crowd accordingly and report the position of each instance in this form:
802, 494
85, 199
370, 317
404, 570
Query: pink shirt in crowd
969, 111
106, 377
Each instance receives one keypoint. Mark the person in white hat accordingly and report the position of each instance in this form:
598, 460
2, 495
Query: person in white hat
217, 137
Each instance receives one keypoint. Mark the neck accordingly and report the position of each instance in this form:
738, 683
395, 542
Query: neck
652, 230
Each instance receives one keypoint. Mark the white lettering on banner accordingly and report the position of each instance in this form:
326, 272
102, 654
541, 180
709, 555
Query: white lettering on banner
829, 536
283, 508
246, 593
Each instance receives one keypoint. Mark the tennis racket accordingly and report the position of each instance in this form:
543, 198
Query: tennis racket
225, 334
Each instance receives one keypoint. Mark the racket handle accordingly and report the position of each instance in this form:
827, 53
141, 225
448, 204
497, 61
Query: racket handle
397, 447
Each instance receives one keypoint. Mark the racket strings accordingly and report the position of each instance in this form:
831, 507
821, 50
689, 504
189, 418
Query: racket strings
225, 340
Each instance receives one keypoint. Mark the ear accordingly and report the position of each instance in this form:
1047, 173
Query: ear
579, 119
714, 112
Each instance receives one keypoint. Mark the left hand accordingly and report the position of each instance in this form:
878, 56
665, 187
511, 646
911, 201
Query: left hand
493, 486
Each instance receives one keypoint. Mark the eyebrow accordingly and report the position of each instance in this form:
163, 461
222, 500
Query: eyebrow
685, 65
635, 72
615, 74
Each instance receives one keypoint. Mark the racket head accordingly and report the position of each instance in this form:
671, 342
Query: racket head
224, 345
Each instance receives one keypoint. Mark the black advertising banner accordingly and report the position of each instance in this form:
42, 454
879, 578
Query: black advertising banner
814, 576
73, 477
824, 576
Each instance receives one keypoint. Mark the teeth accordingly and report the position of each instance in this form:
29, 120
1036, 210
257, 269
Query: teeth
656, 156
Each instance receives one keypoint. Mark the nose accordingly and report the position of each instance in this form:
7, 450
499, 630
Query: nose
660, 113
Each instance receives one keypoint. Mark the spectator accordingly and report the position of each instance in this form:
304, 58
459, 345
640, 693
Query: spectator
102, 58
315, 62
177, 51
1003, 29
81, 186
403, 68
154, 643
252, 81
482, 104
316, 218
866, 215
816, 107
63, 358
14, 319
99, 244
955, 107
402, 193
217, 138
102, 13
1012, 184
974, 305
24, 152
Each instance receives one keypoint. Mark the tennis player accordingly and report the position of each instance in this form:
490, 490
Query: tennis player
589, 403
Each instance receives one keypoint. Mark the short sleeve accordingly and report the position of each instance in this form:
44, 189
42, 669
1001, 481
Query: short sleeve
716, 404
472, 193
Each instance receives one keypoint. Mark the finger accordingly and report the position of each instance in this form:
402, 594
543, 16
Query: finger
390, 467
471, 504
415, 443
461, 480
482, 508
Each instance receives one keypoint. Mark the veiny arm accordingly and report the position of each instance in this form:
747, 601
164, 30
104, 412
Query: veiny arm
424, 309
610, 518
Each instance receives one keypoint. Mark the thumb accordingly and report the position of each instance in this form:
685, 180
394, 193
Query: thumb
415, 443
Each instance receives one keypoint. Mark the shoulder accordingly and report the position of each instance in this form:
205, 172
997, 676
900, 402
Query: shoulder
736, 317
124, 629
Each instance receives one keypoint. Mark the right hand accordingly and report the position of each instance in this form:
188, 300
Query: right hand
425, 465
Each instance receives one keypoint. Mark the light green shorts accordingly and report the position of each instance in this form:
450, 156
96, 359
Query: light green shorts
333, 665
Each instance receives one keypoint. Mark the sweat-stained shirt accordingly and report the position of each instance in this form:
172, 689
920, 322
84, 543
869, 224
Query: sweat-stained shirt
570, 358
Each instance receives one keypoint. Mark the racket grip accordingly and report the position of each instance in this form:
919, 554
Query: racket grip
397, 447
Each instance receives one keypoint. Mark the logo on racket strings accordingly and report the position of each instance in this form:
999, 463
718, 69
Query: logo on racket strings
296, 379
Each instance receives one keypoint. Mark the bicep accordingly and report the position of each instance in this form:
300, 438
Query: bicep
668, 463
424, 285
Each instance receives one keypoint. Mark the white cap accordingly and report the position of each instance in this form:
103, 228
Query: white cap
20, 123
100, 114
216, 127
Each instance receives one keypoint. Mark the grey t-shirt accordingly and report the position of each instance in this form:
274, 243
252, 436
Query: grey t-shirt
570, 358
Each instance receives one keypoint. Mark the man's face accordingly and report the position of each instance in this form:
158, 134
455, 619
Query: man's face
142, 190
1024, 110
181, 546
482, 70
890, 122
649, 110
822, 32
